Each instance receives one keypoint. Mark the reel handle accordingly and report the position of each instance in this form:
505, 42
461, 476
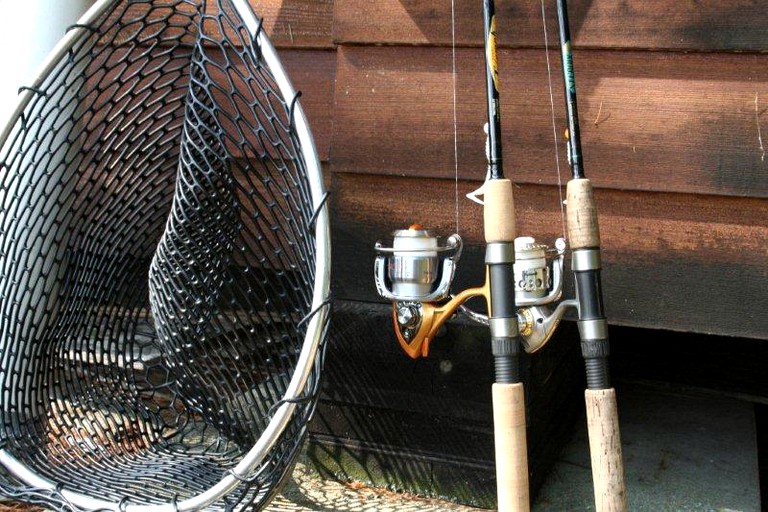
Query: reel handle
427, 318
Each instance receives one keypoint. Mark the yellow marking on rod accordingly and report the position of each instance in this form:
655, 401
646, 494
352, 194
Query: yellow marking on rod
493, 59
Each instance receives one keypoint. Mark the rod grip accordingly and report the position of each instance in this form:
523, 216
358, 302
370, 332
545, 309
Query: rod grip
499, 211
581, 212
511, 448
605, 450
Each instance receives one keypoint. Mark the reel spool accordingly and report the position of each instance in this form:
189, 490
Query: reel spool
538, 283
411, 269
414, 273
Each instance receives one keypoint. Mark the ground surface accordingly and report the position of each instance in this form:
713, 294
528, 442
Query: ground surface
683, 452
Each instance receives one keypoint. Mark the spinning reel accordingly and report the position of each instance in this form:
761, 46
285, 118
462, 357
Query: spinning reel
416, 274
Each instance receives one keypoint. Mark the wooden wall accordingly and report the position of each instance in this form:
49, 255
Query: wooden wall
674, 107
674, 102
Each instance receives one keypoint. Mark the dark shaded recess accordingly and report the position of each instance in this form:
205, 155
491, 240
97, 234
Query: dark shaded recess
688, 361
426, 425
731, 366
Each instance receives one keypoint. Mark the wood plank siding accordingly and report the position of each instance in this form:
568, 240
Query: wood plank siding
673, 100
674, 111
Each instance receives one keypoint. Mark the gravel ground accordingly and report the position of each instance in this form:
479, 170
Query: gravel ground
305, 491
683, 453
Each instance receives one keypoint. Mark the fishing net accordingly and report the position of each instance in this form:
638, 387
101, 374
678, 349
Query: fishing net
164, 265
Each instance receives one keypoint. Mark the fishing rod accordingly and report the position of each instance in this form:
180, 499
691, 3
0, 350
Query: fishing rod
410, 275
584, 240
523, 291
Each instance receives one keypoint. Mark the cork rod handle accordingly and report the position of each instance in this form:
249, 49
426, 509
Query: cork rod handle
583, 231
499, 211
511, 449
605, 451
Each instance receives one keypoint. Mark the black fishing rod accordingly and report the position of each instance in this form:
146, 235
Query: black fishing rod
573, 136
500, 231
495, 166
416, 274
584, 240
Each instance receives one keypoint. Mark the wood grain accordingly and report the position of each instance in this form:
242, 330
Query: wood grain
288, 23
297, 23
313, 73
673, 261
640, 24
650, 121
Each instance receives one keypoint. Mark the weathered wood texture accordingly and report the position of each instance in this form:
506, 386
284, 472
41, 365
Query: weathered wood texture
312, 72
645, 24
650, 121
297, 23
673, 142
678, 261
302, 32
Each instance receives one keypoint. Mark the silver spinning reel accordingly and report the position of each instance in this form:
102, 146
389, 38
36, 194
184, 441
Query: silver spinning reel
538, 282
416, 268
538, 271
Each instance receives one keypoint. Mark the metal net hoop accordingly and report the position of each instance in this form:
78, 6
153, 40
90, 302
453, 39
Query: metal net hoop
164, 265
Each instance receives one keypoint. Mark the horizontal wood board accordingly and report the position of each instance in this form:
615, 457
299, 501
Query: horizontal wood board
312, 73
708, 25
288, 23
297, 23
674, 261
650, 121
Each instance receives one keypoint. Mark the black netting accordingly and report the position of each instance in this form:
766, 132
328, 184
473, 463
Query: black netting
158, 262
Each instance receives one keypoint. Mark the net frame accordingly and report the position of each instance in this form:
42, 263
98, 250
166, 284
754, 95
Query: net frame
316, 320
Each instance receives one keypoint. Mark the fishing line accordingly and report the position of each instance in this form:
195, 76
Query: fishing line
554, 121
455, 115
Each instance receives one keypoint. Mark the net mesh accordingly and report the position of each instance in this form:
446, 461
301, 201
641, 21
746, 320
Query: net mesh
157, 262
